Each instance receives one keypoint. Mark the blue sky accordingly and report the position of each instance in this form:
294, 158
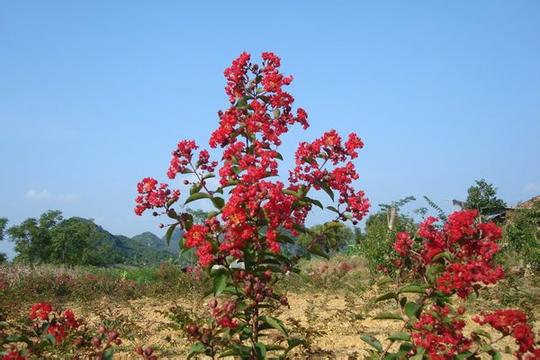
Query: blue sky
94, 95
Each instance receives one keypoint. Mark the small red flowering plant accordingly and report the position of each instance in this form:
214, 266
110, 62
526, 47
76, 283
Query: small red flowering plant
51, 331
434, 270
240, 244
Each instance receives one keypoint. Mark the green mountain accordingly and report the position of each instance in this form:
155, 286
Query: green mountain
106, 248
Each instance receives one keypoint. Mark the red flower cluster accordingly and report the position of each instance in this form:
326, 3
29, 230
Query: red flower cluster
59, 324
251, 113
40, 311
470, 246
514, 323
403, 243
196, 237
182, 156
153, 196
13, 355
439, 334
329, 148
223, 313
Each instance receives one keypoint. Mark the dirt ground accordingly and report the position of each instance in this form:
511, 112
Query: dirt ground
330, 322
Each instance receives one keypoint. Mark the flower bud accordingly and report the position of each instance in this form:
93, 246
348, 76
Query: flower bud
212, 303
148, 351
96, 342
112, 335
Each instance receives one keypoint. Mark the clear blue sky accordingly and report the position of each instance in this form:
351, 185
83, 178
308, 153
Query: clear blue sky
94, 95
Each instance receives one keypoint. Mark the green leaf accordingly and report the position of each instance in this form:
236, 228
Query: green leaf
434, 271
386, 296
196, 349
278, 156
419, 354
242, 103
314, 202
51, 339
220, 281
411, 309
294, 342
443, 255
218, 202
286, 239
482, 332
275, 323
411, 288
495, 355
169, 233
290, 192
406, 347
388, 316
195, 188
402, 336
108, 354
208, 176
372, 340
260, 348
327, 189
464, 355
197, 196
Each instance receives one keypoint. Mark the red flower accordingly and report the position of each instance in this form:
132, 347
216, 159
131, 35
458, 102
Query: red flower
58, 331
153, 196
70, 319
40, 311
13, 355
513, 323
440, 333
403, 243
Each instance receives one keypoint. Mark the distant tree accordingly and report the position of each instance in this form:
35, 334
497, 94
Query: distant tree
329, 237
483, 197
522, 236
377, 243
70, 244
33, 237
3, 223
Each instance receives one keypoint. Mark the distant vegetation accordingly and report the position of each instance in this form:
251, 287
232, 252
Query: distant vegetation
77, 241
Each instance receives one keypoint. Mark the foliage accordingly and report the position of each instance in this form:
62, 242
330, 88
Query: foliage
33, 240
443, 263
522, 236
78, 241
3, 223
483, 197
239, 245
329, 237
381, 227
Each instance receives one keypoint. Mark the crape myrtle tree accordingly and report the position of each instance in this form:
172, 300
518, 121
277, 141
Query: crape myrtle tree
440, 270
240, 243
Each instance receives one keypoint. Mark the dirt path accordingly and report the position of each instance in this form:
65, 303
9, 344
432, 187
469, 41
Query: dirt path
331, 324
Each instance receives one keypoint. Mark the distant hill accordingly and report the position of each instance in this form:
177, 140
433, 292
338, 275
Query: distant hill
143, 249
